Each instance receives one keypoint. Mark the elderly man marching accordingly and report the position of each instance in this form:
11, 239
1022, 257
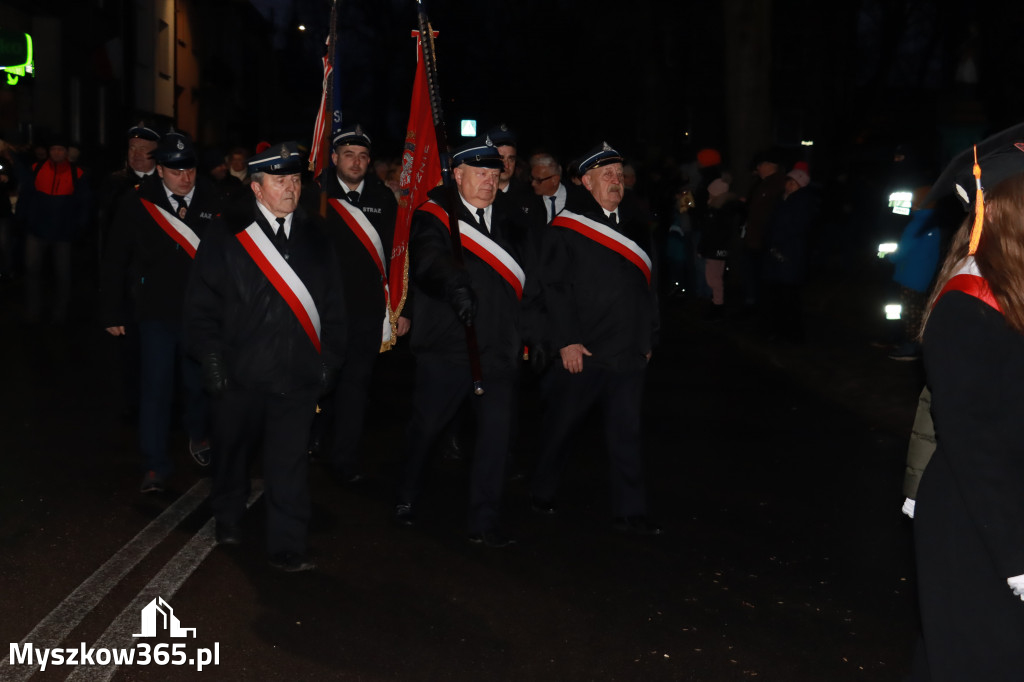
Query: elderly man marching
487, 294
602, 317
145, 268
264, 314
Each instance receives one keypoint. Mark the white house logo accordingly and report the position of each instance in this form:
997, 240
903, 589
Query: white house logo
157, 618
158, 614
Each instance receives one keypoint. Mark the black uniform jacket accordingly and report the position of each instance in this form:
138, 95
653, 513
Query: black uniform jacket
231, 308
364, 291
596, 297
502, 320
144, 270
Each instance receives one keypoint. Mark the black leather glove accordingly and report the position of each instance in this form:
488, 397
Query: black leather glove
215, 376
539, 358
463, 301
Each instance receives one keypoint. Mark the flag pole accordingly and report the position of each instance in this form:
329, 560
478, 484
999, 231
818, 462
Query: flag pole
325, 120
430, 64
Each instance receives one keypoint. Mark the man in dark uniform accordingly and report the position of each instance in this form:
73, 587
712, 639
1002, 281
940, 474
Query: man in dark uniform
264, 312
153, 240
361, 223
519, 195
602, 318
485, 294
139, 167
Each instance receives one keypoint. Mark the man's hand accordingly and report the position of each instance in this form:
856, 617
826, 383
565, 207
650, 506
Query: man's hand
215, 378
463, 301
572, 357
403, 326
116, 331
1016, 584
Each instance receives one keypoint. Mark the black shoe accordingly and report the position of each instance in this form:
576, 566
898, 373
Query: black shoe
403, 515
541, 506
152, 482
637, 525
490, 539
200, 451
228, 534
291, 562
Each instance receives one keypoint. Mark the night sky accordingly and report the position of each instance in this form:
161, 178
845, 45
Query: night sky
653, 78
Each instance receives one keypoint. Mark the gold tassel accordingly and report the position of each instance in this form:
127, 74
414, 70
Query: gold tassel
979, 207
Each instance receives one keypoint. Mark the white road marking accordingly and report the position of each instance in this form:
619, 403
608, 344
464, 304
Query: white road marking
53, 628
166, 583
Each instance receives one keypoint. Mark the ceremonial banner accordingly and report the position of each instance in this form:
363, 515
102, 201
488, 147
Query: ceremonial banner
328, 116
317, 157
421, 172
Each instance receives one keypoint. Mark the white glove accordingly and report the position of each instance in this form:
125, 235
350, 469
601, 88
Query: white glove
908, 507
1016, 584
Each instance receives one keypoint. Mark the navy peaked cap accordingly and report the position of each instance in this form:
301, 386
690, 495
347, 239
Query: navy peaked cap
601, 155
176, 151
351, 135
278, 159
144, 132
501, 135
479, 152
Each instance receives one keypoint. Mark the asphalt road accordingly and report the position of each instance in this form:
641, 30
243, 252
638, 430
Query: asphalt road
775, 472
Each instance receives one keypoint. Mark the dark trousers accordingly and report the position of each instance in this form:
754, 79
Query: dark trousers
243, 422
568, 398
36, 251
160, 353
441, 388
344, 410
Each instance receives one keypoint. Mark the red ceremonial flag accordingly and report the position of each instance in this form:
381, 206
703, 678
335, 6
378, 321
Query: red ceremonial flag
316, 158
421, 172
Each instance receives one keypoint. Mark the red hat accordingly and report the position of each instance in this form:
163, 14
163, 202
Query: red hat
708, 157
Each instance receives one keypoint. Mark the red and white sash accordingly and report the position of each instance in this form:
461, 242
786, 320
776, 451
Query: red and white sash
968, 279
484, 248
283, 278
368, 237
607, 237
175, 228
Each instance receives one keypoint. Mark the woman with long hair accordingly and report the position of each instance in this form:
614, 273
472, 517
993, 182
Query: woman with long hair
969, 516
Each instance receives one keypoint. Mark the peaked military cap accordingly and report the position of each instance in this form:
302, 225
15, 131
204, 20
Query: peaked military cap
501, 135
143, 132
601, 155
351, 135
1000, 156
278, 159
479, 152
175, 151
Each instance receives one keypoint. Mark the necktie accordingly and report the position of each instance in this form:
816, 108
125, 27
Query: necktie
483, 223
614, 218
553, 211
281, 238
353, 197
181, 205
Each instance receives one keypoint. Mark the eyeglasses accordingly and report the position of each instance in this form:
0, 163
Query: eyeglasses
537, 181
